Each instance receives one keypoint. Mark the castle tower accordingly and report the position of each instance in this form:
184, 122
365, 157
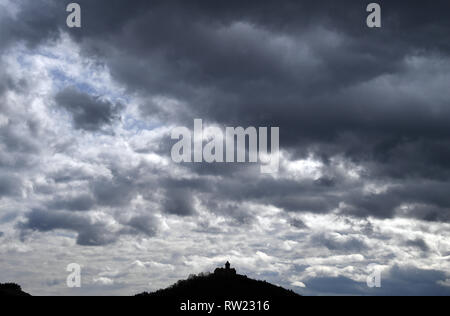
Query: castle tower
227, 271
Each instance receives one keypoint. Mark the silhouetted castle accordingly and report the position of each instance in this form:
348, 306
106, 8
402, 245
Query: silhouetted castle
223, 283
225, 272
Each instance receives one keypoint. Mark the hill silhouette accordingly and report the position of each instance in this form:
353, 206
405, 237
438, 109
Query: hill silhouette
11, 289
223, 283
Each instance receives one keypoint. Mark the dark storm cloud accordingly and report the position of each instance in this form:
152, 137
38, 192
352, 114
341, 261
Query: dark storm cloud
89, 233
10, 185
8, 217
240, 82
179, 202
125, 185
118, 191
398, 281
83, 202
334, 87
314, 70
88, 112
298, 223
418, 243
17, 139
35, 22
5, 84
284, 194
146, 224
427, 200
345, 244
412, 281
335, 285
65, 175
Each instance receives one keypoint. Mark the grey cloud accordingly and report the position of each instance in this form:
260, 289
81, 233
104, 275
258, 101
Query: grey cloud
17, 138
340, 243
427, 201
412, 281
179, 202
118, 191
146, 224
332, 89
419, 244
82, 202
95, 235
334, 286
89, 113
337, 90
66, 174
89, 234
397, 281
8, 216
10, 185
237, 213
298, 223
34, 23
5, 84
53, 282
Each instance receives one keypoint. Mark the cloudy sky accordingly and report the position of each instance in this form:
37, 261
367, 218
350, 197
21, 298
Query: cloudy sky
85, 122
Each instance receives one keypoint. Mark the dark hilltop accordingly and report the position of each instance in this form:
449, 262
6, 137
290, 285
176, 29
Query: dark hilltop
11, 289
223, 283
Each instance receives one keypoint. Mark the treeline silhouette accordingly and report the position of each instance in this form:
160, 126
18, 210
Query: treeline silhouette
12, 289
223, 283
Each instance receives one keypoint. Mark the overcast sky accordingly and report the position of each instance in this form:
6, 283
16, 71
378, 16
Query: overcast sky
85, 121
